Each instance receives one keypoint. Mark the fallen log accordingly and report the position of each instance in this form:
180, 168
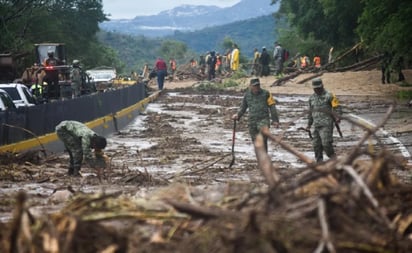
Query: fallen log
362, 64
311, 77
343, 55
282, 80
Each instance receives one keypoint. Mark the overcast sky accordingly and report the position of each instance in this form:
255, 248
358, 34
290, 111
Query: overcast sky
132, 8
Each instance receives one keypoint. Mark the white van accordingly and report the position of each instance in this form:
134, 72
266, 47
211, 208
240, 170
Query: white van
6, 102
102, 77
20, 94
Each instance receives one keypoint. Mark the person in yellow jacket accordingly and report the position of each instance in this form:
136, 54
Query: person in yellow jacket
234, 58
256, 69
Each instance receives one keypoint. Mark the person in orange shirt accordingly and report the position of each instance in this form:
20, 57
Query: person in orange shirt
218, 63
173, 66
316, 61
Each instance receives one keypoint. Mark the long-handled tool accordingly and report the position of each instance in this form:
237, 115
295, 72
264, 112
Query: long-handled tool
233, 144
306, 130
338, 128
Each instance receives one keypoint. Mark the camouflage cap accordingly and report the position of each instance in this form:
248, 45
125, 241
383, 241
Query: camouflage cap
317, 83
254, 81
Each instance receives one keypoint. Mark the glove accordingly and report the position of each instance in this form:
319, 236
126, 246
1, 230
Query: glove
101, 160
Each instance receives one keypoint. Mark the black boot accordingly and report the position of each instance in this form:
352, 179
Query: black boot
76, 171
71, 169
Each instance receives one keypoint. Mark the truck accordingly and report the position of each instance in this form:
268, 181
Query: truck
36, 74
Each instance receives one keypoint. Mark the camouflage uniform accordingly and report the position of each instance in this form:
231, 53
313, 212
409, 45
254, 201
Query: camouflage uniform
76, 138
76, 77
259, 107
323, 122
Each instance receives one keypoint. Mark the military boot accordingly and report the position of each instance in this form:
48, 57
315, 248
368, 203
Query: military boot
71, 170
76, 171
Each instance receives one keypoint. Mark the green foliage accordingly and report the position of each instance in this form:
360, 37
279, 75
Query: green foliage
208, 86
386, 25
239, 74
173, 49
382, 25
404, 95
331, 21
297, 45
136, 51
227, 43
72, 22
230, 82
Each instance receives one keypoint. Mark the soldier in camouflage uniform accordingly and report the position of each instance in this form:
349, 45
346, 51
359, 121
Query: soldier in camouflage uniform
321, 104
79, 140
260, 103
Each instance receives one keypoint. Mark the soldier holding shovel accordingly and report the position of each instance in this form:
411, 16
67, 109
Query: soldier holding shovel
262, 109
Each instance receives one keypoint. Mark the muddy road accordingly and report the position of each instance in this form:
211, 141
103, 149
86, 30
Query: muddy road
180, 148
186, 137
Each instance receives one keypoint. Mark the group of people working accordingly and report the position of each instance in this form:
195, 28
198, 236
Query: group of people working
51, 77
324, 113
262, 60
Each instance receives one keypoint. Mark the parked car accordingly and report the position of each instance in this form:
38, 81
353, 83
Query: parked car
20, 94
6, 102
102, 77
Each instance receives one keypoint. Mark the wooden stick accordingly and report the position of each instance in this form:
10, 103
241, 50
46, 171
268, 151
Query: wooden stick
353, 153
288, 77
287, 147
30, 132
264, 162
198, 210
366, 62
368, 194
325, 240
311, 77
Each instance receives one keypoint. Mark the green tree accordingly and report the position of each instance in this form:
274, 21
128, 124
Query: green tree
173, 49
227, 43
331, 21
382, 25
386, 25
73, 22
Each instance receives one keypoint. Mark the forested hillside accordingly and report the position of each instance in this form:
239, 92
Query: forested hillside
380, 25
135, 51
248, 34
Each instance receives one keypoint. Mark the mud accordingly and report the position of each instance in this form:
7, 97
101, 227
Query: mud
184, 140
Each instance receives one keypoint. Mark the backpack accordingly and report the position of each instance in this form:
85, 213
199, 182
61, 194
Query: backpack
285, 54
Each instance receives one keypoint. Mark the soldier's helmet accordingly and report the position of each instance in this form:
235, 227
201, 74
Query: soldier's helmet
76, 62
317, 83
254, 81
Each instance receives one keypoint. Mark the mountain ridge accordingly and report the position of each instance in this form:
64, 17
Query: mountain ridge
189, 18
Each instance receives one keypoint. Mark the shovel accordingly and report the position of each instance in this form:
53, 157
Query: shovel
233, 144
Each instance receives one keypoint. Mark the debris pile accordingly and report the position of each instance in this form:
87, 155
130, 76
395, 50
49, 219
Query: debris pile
293, 71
